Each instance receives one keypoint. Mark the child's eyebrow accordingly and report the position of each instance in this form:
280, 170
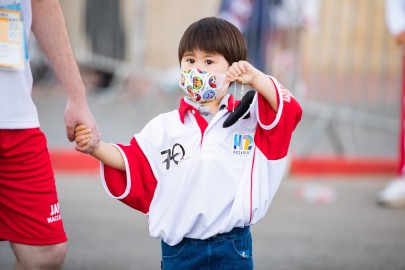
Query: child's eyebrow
187, 54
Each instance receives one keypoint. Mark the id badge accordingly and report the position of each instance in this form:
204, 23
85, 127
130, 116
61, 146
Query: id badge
13, 46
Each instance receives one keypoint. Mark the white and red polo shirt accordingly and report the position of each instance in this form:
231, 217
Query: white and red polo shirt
197, 179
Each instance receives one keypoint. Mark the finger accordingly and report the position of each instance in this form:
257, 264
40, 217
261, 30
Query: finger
242, 66
82, 138
84, 142
226, 85
80, 127
236, 68
82, 149
239, 80
231, 75
70, 133
85, 148
83, 132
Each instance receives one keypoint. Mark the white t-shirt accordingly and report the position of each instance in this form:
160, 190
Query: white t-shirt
395, 16
17, 109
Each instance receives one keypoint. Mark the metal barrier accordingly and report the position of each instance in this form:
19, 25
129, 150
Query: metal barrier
351, 70
110, 43
346, 72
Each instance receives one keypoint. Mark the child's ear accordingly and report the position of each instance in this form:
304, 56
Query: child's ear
242, 110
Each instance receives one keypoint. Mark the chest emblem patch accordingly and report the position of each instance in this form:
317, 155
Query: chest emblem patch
242, 146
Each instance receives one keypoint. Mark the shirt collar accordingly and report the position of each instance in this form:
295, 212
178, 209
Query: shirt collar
186, 104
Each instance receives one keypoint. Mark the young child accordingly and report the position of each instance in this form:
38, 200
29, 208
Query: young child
202, 184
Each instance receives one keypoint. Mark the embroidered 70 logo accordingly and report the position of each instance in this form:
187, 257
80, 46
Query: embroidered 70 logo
176, 154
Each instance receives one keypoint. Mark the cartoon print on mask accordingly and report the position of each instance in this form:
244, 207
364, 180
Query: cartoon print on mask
190, 90
197, 83
213, 81
202, 86
209, 94
201, 72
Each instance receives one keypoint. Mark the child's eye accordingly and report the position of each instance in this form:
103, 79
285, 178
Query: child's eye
191, 61
209, 62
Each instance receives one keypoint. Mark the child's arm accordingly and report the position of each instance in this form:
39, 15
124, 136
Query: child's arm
106, 153
244, 72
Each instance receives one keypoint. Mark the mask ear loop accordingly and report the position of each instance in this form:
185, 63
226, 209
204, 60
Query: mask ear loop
241, 91
234, 94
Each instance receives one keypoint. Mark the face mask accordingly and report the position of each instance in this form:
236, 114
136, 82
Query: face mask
202, 86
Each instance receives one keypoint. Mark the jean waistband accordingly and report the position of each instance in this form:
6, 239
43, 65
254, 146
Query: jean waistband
234, 232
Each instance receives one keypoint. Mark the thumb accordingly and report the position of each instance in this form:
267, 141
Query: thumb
70, 132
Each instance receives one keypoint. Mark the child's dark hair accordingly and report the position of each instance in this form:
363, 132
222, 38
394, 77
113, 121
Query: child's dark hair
214, 35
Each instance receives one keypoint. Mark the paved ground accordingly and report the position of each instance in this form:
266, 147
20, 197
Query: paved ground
350, 233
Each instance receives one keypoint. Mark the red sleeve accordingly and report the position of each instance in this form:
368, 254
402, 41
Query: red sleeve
274, 142
135, 186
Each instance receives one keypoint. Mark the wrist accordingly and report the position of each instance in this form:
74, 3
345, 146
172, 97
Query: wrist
75, 90
77, 99
93, 151
259, 80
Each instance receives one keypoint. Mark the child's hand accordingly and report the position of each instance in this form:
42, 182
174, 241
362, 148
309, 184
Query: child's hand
83, 136
242, 72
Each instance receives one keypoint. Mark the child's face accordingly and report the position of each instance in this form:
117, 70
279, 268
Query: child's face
214, 63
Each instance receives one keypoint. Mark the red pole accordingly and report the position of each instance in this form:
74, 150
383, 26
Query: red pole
402, 124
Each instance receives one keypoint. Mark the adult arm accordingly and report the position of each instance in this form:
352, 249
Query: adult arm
49, 28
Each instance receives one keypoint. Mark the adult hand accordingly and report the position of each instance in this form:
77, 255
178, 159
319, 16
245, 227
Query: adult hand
49, 27
77, 112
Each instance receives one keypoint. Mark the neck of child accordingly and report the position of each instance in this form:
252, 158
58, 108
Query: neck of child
213, 106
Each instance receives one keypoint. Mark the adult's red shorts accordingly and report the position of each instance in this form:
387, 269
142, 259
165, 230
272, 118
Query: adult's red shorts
29, 207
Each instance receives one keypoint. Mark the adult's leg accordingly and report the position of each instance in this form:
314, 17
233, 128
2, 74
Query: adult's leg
44, 257
30, 217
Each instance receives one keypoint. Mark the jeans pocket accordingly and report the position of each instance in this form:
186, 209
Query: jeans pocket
171, 252
243, 247
177, 257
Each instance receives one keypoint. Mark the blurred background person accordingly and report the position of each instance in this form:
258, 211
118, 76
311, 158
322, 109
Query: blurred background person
272, 29
289, 19
105, 32
394, 193
251, 17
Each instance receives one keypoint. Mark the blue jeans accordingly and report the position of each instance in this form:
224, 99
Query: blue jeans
232, 250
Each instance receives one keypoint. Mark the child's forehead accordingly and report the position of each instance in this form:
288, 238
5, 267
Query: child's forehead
199, 52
